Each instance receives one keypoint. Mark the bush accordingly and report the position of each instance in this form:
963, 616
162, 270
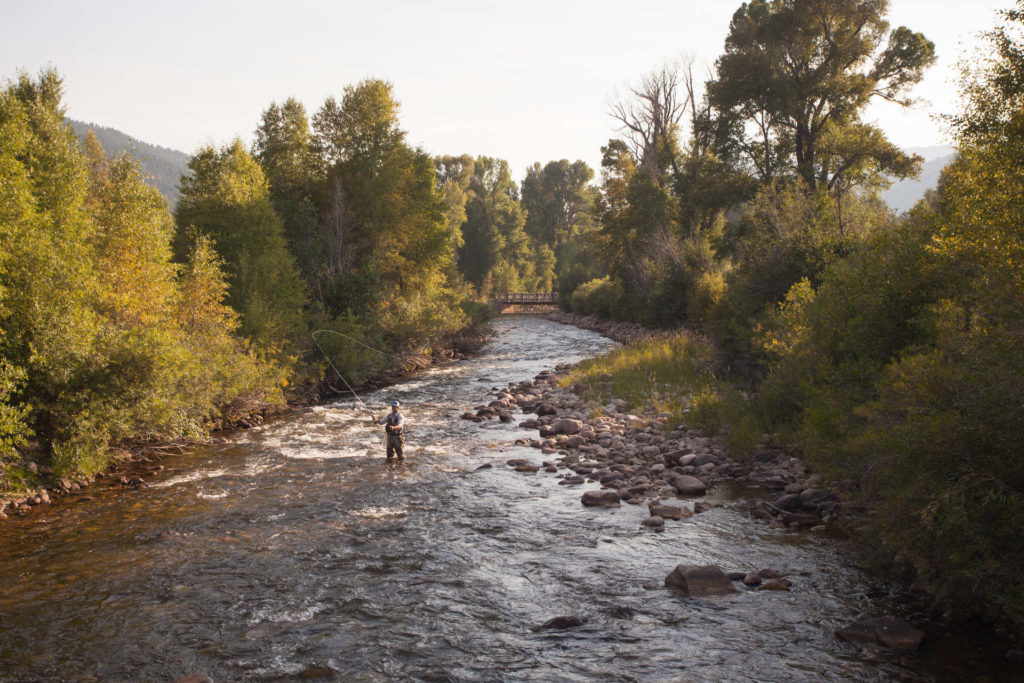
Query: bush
596, 297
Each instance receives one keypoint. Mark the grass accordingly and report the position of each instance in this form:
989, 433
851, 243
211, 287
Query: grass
673, 374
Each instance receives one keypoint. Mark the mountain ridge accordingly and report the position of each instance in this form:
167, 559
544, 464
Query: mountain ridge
163, 166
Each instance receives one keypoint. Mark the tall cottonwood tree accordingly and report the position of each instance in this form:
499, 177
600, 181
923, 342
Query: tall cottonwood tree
796, 76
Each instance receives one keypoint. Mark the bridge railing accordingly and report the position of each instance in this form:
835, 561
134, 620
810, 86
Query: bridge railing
524, 297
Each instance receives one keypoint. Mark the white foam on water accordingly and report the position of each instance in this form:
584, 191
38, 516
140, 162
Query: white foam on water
328, 453
278, 616
212, 496
378, 513
198, 475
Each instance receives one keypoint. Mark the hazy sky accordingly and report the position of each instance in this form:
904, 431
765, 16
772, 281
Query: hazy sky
525, 81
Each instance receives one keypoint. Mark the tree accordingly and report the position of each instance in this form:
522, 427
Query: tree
225, 196
497, 254
363, 126
284, 148
650, 118
558, 201
795, 76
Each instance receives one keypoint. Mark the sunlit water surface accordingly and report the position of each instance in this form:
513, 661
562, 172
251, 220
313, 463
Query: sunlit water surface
296, 543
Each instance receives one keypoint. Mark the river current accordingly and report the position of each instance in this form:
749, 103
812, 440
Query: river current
295, 547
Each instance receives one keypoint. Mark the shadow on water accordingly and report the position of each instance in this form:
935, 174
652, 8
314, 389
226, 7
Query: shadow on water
297, 543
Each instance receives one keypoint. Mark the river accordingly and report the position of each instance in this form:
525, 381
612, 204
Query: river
296, 544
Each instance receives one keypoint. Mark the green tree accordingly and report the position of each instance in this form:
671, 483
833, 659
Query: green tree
386, 225
558, 201
284, 148
795, 77
225, 196
497, 254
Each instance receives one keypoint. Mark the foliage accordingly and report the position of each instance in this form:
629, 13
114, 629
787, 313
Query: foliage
102, 340
226, 197
675, 373
899, 367
795, 77
162, 167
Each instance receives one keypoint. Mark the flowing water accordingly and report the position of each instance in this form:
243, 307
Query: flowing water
296, 543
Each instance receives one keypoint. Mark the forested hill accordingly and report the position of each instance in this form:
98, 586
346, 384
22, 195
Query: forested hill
904, 194
163, 166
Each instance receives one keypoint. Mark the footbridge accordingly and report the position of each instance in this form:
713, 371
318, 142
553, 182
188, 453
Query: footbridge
524, 302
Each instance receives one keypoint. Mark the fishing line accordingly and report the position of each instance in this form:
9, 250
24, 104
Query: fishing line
331, 363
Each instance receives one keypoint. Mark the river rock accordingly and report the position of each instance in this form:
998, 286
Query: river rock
315, 671
485, 466
775, 585
751, 579
889, 631
699, 581
812, 497
897, 633
859, 632
572, 481
471, 416
689, 486
600, 498
527, 468
669, 511
654, 521
789, 503
546, 409
570, 621
193, 678
567, 425
505, 416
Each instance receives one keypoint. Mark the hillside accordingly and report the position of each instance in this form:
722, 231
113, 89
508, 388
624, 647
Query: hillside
904, 194
163, 166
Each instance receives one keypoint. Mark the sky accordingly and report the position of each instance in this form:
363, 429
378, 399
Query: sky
527, 81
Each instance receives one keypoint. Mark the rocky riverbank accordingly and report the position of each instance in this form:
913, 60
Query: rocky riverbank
636, 460
622, 332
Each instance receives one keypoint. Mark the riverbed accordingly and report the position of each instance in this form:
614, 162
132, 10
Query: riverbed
296, 548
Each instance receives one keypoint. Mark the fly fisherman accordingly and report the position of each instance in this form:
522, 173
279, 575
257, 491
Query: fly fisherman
393, 422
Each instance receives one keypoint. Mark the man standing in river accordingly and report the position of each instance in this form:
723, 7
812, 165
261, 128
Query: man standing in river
393, 423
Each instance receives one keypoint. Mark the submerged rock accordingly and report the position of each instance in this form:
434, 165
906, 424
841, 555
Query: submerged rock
570, 621
669, 511
890, 631
699, 581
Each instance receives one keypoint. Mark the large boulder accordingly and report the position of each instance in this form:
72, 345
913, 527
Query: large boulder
697, 581
567, 425
600, 498
689, 486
